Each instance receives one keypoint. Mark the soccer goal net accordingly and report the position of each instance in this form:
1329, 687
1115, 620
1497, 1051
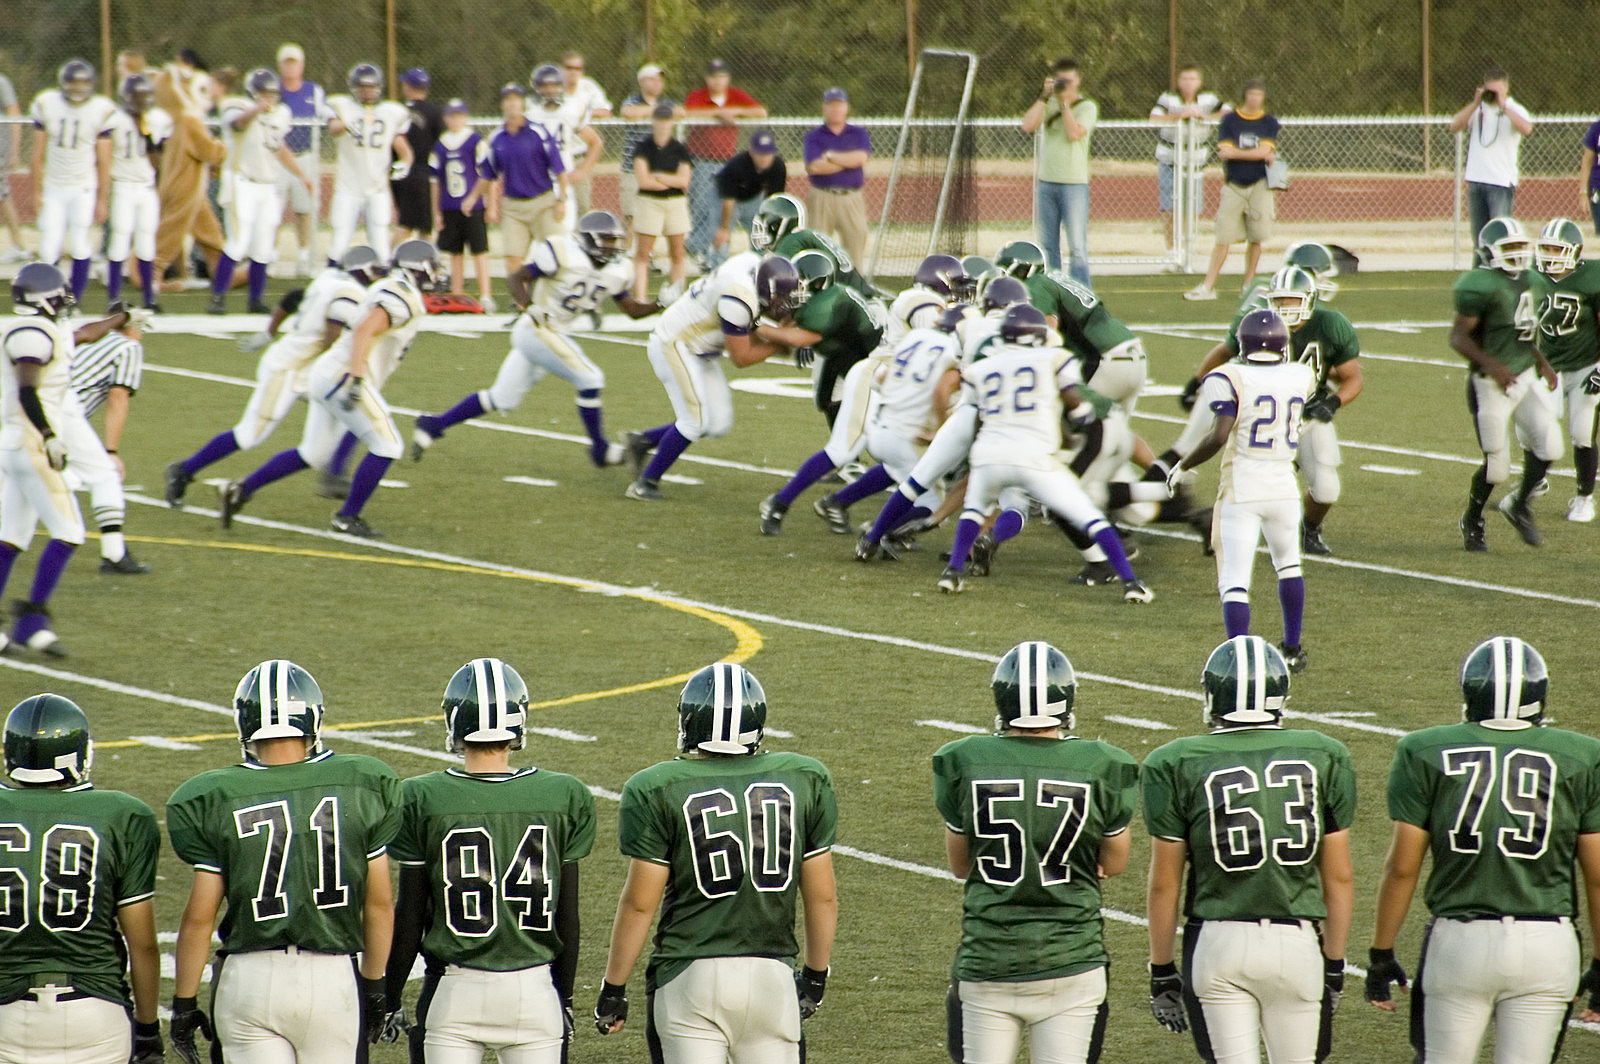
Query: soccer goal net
930, 203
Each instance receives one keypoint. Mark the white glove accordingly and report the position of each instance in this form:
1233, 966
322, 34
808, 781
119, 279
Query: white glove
349, 393
1178, 476
141, 318
55, 451
254, 342
398, 170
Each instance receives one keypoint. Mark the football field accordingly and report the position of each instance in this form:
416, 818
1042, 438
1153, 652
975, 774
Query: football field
505, 541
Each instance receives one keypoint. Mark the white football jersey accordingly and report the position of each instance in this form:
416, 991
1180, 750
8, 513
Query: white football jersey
130, 141
403, 303
1018, 394
907, 382
570, 283
978, 332
253, 150
366, 147
562, 123
71, 131
1267, 401
724, 298
332, 295
915, 308
37, 339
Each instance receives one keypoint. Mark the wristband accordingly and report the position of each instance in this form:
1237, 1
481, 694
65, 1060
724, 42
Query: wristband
146, 1030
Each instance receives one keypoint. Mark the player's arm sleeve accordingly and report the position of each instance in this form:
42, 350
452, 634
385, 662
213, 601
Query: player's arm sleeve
950, 790
543, 260
568, 927
1218, 395
1158, 787
407, 848
1120, 795
1410, 793
1068, 373
822, 820
343, 310
1346, 345
1468, 297
1339, 791
412, 906
142, 849
580, 838
36, 112
186, 818
395, 306
1589, 813
736, 317
388, 822
641, 829
129, 369
30, 345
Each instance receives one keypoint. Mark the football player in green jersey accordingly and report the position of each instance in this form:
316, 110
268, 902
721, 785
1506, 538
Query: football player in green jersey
1504, 805
1262, 815
1034, 818
1496, 329
1568, 297
489, 885
294, 841
77, 873
779, 228
723, 839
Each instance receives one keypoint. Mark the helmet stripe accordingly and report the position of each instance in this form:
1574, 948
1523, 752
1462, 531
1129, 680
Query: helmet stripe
719, 686
1497, 655
480, 693
1041, 678
1241, 665
1025, 680
1258, 649
498, 667
280, 700
1514, 679
735, 702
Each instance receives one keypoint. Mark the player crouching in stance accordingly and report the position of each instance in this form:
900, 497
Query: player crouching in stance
489, 885
345, 391
294, 841
1257, 494
1261, 814
1524, 804
569, 276
1025, 392
1034, 818
93, 855
728, 836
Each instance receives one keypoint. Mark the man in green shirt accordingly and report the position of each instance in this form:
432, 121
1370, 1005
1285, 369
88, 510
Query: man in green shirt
1034, 818
1505, 805
1062, 170
489, 884
294, 840
1261, 815
1496, 329
77, 874
1568, 297
723, 839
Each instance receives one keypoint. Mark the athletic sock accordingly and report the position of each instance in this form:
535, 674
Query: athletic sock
8, 558
654, 435
341, 455
671, 444
52, 563
1008, 524
1478, 494
812, 470
224, 278
1586, 460
1236, 618
280, 465
967, 531
147, 281
258, 281
113, 281
469, 408
865, 486
1292, 596
1533, 470
221, 446
80, 278
364, 484
113, 546
1111, 543
1076, 535
896, 510
589, 412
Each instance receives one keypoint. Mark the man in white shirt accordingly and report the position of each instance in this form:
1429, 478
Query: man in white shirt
588, 93
1172, 109
1495, 125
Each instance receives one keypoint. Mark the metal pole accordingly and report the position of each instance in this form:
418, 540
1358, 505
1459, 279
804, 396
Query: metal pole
955, 149
911, 37
108, 70
894, 170
1427, 86
1180, 192
1172, 42
389, 49
649, 30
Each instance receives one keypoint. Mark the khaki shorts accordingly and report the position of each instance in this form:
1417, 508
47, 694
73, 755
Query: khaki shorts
522, 221
627, 192
1245, 213
661, 217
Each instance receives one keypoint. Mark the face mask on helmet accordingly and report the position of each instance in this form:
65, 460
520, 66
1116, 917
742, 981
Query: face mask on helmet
1292, 295
779, 216
77, 80
1560, 244
1504, 245
1021, 259
601, 236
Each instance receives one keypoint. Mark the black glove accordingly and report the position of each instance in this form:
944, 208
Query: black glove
810, 985
147, 1047
1323, 409
186, 1020
395, 1024
1191, 394
1166, 997
1383, 969
1333, 981
1591, 983
612, 1007
374, 1008
1591, 383
804, 356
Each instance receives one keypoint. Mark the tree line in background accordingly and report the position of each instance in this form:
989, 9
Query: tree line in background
1356, 57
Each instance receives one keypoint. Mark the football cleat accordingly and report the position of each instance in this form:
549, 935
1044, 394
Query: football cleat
230, 500
866, 549
836, 516
1504, 684
899, 541
1294, 657
259, 307
1135, 591
178, 481
638, 446
950, 581
424, 431
32, 630
1094, 574
1311, 541
982, 555
604, 453
1540, 488
1200, 293
772, 512
1521, 518
1581, 509
218, 304
645, 490
1472, 534
354, 525
333, 486
127, 565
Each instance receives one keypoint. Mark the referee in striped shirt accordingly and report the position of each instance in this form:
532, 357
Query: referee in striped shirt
106, 373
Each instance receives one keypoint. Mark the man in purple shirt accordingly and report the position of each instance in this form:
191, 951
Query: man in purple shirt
836, 159
1589, 174
305, 101
529, 167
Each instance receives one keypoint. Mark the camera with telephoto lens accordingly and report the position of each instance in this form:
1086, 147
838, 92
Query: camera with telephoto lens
1490, 95
1061, 85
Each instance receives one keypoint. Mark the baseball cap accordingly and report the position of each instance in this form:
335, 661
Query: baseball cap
762, 142
663, 110
511, 88
417, 78
650, 70
291, 51
456, 106
835, 95
717, 66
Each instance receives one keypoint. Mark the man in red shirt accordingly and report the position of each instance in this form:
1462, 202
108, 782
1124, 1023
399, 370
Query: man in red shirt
714, 111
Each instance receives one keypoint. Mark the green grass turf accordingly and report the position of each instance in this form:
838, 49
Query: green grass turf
383, 638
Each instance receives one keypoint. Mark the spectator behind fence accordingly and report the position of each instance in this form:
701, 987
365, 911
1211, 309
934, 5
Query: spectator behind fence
10, 154
662, 169
1247, 141
743, 183
710, 147
594, 101
413, 209
1588, 175
1186, 102
528, 165
638, 106
836, 154
306, 103
1495, 125
1062, 170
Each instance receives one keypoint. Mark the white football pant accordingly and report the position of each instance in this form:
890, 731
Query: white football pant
376, 208
1520, 973
1056, 488
1058, 1014
517, 1014
858, 402
65, 215
280, 381
899, 456
89, 466
1121, 374
327, 421
287, 1007
135, 216
85, 1031
32, 492
1259, 980
1236, 529
1319, 460
535, 351
949, 445
702, 403
253, 223
1528, 403
721, 1009
1582, 408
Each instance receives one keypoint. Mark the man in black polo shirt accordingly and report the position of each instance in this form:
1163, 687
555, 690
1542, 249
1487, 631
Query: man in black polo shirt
1247, 141
743, 183
413, 203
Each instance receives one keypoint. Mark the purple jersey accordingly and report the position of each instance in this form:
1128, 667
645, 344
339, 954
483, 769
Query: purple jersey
305, 102
459, 160
1591, 140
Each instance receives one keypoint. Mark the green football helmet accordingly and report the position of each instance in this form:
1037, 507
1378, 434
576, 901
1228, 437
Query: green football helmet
976, 265
777, 217
1504, 684
1560, 244
47, 741
1317, 260
722, 710
1292, 295
1034, 686
278, 700
816, 275
1021, 259
485, 702
1246, 684
1504, 245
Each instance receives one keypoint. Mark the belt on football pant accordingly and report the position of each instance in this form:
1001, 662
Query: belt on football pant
835, 191
1507, 917
1286, 921
51, 987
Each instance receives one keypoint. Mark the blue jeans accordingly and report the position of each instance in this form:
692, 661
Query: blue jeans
744, 212
705, 207
1067, 205
1485, 202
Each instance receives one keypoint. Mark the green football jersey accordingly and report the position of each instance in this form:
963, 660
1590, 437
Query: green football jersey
493, 846
1503, 810
69, 859
733, 831
1508, 322
291, 843
1568, 306
1253, 805
1034, 811
1327, 339
844, 270
1083, 321
839, 315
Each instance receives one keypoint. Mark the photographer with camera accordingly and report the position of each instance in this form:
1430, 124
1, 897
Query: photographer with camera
1062, 169
1495, 125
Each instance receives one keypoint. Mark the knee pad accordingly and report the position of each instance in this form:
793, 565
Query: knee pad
1497, 465
1290, 572
1236, 594
1322, 484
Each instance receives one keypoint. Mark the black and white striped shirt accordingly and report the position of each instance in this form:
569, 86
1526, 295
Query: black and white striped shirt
112, 361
